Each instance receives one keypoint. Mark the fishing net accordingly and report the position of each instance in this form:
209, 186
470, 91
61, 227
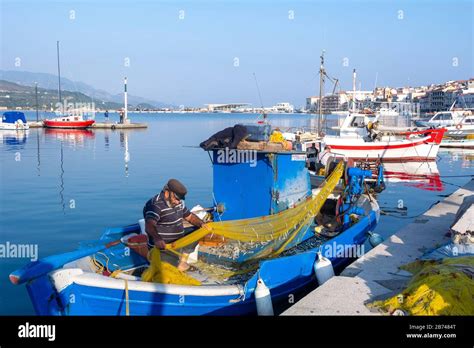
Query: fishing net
253, 239
283, 226
437, 288
256, 238
165, 273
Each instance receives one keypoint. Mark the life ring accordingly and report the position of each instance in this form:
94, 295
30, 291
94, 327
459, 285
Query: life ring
458, 126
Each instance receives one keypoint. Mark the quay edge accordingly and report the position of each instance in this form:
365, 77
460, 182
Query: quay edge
377, 273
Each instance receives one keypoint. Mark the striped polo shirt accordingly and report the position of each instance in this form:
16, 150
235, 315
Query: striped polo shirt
169, 220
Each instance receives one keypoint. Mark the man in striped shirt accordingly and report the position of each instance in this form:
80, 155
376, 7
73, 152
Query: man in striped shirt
164, 214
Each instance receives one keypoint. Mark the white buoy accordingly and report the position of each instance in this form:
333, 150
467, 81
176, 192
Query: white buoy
323, 269
263, 299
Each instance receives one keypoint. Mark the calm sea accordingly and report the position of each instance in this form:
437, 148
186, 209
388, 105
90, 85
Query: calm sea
60, 187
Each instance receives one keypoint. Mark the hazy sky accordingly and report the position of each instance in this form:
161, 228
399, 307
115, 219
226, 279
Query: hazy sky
197, 52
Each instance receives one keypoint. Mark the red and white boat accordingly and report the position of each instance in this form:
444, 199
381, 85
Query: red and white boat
357, 142
72, 122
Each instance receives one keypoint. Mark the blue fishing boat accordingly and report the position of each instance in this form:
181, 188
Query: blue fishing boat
103, 277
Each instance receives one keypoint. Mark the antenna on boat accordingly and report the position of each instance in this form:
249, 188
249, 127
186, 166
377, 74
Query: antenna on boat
260, 98
322, 72
354, 75
59, 73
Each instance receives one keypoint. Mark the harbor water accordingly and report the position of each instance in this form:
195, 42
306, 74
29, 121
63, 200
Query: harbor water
60, 187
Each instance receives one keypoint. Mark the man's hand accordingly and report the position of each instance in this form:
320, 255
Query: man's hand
194, 220
160, 244
206, 227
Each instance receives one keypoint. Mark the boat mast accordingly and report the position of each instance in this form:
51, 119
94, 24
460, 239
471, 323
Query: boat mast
59, 73
354, 90
321, 87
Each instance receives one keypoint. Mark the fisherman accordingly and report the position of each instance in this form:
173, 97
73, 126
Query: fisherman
164, 214
106, 115
312, 155
324, 156
122, 115
372, 129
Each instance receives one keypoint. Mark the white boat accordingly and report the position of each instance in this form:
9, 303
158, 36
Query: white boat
458, 123
356, 141
340, 113
384, 111
13, 120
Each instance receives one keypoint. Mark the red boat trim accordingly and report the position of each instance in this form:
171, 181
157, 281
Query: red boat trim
391, 159
375, 147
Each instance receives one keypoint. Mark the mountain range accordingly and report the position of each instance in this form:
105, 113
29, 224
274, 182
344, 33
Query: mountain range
50, 82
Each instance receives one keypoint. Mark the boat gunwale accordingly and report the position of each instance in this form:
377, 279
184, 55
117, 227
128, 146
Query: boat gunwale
101, 281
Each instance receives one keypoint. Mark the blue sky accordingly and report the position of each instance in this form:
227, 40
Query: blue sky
191, 61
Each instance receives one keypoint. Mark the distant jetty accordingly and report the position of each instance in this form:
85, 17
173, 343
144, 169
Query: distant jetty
99, 125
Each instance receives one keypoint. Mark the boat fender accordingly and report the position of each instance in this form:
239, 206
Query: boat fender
113, 127
458, 126
263, 299
323, 269
374, 239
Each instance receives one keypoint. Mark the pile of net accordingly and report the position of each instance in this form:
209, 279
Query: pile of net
443, 287
165, 273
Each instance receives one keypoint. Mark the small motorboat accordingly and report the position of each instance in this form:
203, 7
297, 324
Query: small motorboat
69, 121
458, 123
13, 120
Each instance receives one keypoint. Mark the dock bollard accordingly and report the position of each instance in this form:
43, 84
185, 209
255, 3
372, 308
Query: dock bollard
263, 299
323, 269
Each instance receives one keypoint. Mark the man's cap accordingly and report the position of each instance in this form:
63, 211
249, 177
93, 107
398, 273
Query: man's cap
177, 188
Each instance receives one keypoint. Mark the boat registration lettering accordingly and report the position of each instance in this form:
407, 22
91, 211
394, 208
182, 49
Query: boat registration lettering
298, 157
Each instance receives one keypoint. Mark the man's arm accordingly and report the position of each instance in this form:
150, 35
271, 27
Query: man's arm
194, 220
150, 229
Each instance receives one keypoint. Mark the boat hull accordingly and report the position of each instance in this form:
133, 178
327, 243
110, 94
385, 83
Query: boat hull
14, 126
396, 151
68, 124
73, 292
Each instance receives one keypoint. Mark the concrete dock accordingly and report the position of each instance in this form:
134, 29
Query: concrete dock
111, 125
99, 125
376, 274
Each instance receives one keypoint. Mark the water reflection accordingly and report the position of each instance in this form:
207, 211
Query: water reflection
61, 185
126, 154
38, 156
73, 137
422, 175
464, 156
13, 139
